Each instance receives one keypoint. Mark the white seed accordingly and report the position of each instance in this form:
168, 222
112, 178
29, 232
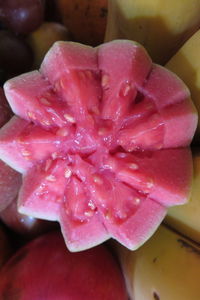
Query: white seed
45, 101
61, 84
108, 215
31, 115
48, 164
56, 86
137, 200
125, 90
41, 189
25, 152
89, 213
97, 179
46, 122
20, 140
105, 80
89, 74
159, 146
27, 157
68, 173
59, 200
121, 155
101, 131
51, 178
62, 132
67, 211
95, 110
69, 118
133, 166
91, 205
150, 184
122, 215
54, 155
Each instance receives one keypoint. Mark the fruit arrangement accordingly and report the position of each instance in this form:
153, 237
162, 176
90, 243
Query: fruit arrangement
99, 107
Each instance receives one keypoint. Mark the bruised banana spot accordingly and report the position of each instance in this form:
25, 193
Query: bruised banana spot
156, 296
189, 247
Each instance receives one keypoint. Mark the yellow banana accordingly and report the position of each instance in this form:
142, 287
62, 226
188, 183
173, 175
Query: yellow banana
186, 64
186, 218
166, 267
43, 38
160, 26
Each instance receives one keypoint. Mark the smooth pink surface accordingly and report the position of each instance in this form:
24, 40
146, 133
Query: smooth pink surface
45, 269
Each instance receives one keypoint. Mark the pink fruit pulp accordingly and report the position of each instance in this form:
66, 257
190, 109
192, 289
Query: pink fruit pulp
101, 136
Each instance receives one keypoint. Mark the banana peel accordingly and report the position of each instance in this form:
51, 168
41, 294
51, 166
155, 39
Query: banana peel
85, 19
166, 267
161, 27
186, 64
185, 218
43, 38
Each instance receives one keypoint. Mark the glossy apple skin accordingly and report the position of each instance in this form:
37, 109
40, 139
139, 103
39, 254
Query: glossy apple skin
45, 269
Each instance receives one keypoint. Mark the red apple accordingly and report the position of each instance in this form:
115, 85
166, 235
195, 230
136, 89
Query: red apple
45, 269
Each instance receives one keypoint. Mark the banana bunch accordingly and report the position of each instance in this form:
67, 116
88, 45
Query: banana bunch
166, 267
186, 64
160, 26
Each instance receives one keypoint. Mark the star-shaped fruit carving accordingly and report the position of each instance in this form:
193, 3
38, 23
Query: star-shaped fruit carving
101, 136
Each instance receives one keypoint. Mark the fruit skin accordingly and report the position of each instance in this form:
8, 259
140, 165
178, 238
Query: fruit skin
5, 246
21, 16
161, 27
13, 65
44, 269
166, 267
85, 19
43, 38
186, 64
185, 218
